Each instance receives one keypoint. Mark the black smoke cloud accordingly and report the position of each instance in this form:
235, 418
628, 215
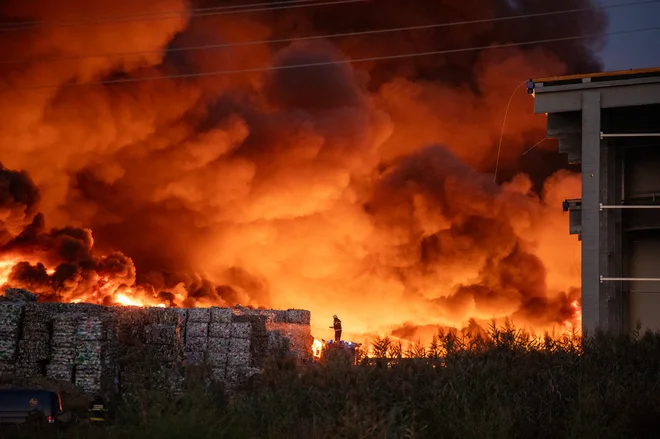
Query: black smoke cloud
295, 187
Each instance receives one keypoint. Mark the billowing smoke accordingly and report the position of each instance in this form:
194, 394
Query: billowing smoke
362, 190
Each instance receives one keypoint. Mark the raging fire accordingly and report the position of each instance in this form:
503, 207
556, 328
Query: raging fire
364, 190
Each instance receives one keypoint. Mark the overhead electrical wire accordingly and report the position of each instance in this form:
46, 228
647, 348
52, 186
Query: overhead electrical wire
336, 35
339, 62
198, 12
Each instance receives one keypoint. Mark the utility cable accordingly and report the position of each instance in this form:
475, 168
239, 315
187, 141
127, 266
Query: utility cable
319, 37
340, 62
201, 12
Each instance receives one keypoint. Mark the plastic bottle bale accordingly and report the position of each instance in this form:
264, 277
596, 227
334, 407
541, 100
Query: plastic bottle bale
130, 323
62, 372
11, 315
218, 344
218, 374
8, 349
197, 329
20, 295
164, 353
160, 334
239, 352
90, 328
257, 321
89, 353
241, 330
199, 315
35, 334
63, 342
38, 313
220, 330
196, 344
65, 325
165, 316
35, 350
195, 358
63, 355
27, 367
298, 316
217, 359
221, 315
7, 367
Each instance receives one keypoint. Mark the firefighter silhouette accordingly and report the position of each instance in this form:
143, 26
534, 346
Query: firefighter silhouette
337, 327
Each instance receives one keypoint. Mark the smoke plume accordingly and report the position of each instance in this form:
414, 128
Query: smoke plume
363, 190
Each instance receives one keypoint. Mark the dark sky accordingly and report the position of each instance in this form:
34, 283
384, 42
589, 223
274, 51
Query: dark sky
636, 50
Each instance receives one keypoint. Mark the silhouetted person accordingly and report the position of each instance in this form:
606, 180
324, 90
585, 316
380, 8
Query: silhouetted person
337, 327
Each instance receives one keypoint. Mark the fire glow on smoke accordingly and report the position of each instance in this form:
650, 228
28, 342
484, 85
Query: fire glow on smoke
363, 191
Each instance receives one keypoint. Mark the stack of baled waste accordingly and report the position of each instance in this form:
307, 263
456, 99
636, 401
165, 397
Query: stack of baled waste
34, 345
164, 334
63, 347
10, 326
196, 337
91, 345
218, 341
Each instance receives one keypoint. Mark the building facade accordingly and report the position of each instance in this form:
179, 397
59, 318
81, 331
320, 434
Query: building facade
610, 124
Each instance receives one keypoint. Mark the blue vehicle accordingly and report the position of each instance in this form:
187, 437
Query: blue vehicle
20, 406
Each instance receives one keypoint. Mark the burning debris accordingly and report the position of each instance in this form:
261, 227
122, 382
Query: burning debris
310, 187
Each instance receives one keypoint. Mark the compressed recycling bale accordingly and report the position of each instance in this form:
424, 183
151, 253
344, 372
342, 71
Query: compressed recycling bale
239, 345
298, 316
160, 334
197, 329
257, 321
218, 373
63, 342
60, 355
65, 325
196, 344
199, 315
10, 316
20, 295
8, 349
165, 353
28, 369
36, 334
88, 353
220, 330
241, 330
239, 352
217, 359
273, 316
36, 313
167, 316
221, 315
195, 358
90, 328
218, 344
7, 367
59, 372
34, 350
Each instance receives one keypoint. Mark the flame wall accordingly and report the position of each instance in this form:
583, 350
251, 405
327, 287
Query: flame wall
363, 191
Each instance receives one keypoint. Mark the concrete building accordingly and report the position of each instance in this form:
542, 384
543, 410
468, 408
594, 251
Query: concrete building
610, 123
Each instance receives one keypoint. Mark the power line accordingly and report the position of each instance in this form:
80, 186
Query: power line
199, 12
340, 62
337, 35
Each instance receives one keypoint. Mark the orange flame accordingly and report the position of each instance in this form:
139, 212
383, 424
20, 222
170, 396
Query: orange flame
317, 346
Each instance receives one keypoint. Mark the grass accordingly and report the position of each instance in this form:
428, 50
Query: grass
505, 384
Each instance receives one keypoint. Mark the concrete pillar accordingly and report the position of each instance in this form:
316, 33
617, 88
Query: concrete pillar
591, 242
611, 300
